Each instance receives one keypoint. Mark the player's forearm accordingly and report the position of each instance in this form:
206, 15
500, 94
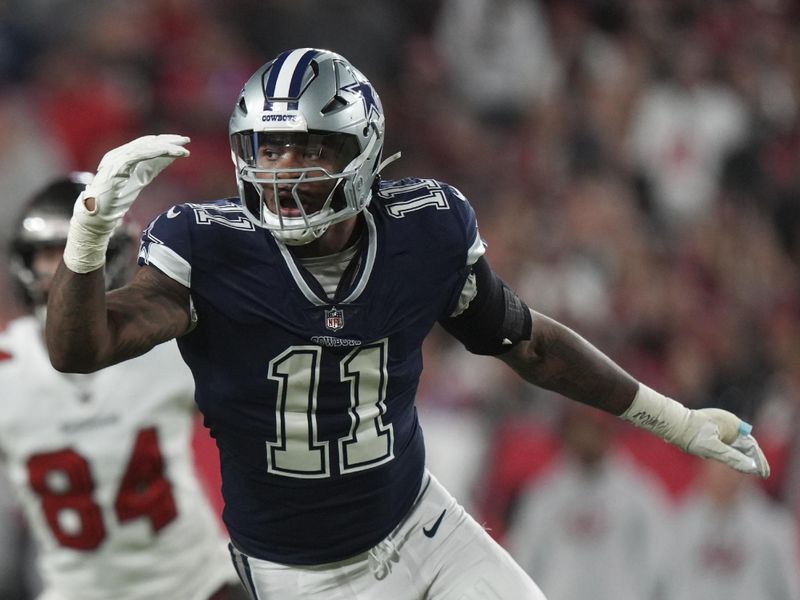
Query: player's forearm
558, 359
76, 331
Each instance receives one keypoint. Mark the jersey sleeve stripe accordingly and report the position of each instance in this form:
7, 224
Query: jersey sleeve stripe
170, 263
476, 250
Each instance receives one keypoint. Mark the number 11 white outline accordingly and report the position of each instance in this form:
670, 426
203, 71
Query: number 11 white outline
297, 452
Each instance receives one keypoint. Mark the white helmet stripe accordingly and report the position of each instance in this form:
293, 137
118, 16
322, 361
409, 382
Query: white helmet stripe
286, 82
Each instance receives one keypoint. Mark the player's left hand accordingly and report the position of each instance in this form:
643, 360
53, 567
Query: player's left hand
721, 435
705, 432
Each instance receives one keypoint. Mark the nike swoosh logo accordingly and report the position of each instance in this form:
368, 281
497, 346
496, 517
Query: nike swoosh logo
432, 531
172, 213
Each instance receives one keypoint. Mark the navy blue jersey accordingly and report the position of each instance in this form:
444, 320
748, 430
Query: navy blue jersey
310, 398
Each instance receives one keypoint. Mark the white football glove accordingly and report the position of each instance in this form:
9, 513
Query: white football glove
121, 175
706, 432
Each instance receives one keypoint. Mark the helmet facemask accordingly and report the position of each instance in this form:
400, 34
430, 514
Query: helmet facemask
297, 204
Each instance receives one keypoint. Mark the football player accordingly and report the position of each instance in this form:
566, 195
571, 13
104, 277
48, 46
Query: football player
102, 464
301, 306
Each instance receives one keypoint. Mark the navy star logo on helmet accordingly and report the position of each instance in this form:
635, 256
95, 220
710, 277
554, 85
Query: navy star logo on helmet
372, 107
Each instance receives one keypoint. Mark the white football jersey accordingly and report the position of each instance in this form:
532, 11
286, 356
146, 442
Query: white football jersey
103, 468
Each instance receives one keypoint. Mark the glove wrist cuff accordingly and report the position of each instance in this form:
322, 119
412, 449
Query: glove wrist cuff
659, 414
85, 250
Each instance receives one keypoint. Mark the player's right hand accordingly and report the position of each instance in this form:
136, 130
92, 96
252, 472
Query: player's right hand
121, 175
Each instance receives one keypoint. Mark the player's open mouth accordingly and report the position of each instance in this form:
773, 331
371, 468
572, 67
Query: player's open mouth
293, 211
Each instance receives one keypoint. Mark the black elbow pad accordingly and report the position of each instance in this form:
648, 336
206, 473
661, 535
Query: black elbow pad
495, 320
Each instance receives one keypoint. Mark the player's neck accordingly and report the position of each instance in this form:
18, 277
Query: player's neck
338, 237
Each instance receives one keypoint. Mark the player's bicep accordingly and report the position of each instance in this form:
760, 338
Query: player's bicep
151, 309
494, 320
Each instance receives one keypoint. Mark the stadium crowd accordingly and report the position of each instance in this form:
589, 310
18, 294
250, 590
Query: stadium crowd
635, 167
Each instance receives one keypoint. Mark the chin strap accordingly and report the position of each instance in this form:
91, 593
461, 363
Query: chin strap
387, 161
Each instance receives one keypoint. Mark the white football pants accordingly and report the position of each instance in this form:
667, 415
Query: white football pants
438, 552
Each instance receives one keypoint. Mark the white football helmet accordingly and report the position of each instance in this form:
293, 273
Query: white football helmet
45, 223
315, 99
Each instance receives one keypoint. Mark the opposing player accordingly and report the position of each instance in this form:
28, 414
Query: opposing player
301, 307
102, 463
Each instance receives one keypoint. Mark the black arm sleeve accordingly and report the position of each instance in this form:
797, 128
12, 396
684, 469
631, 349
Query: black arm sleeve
495, 320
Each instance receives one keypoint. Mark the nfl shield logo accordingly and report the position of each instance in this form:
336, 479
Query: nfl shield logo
334, 319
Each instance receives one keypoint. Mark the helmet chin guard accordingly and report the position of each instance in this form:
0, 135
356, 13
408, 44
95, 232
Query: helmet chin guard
299, 230
318, 97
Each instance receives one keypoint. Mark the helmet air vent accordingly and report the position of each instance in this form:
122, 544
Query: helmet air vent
336, 103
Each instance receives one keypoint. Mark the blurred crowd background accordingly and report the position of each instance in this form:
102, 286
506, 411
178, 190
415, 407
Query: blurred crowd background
635, 168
